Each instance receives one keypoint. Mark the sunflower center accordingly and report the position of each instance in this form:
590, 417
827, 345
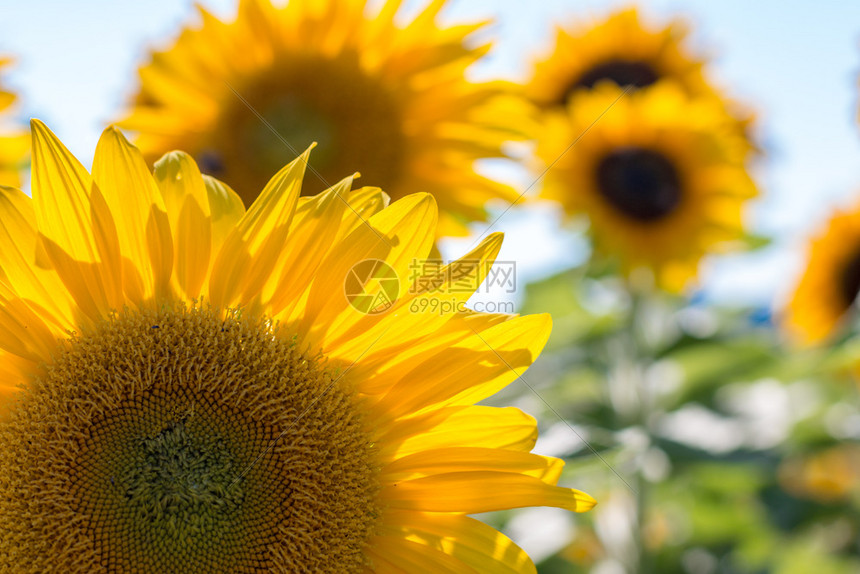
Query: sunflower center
185, 440
183, 481
354, 119
640, 183
621, 71
850, 280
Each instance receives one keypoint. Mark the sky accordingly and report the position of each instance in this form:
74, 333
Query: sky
797, 63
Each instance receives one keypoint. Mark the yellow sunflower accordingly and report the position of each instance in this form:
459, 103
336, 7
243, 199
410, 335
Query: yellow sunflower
660, 176
829, 476
188, 387
13, 144
830, 284
622, 50
388, 100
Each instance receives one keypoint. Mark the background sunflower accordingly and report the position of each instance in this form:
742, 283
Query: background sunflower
830, 283
625, 51
387, 99
13, 143
661, 177
620, 49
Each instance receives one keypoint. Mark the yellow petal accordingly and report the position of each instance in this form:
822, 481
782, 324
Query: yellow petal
462, 459
14, 374
506, 428
471, 370
187, 202
78, 231
435, 295
397, 235
381, 367
138, 208
18, 243
226, 208
311, 234
22, 331
250, 252
390, 554
481, 491
363, 203
471, 541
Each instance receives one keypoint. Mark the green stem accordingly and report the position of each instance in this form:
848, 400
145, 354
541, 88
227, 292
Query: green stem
639, 357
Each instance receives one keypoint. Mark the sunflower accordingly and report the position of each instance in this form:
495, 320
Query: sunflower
660, 176
186, 388
825, 295
13, 144
388, 100
622, 50
829, 476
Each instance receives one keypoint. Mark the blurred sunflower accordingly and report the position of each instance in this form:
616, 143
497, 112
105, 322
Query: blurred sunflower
623, 51
829, 476
13, 145
620, 50
217, 408
660, 176
387, 100
826, 292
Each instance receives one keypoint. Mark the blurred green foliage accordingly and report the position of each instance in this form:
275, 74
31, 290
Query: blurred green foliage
723, 448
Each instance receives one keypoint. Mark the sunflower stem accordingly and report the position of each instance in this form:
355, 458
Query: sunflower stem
639, 357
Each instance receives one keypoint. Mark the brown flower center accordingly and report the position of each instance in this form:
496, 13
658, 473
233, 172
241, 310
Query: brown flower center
185, 440
355, 120
622, 72
849, 282
640, 183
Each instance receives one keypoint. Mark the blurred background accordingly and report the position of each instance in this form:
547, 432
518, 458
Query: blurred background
713, 443
794, 63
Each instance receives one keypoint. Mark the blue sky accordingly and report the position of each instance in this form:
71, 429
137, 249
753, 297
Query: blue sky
796, 62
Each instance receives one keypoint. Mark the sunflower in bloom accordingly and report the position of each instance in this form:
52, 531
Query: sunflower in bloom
387, 100
620, 50
660, 176
13, 145
187, 386
824, 297
623, 51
